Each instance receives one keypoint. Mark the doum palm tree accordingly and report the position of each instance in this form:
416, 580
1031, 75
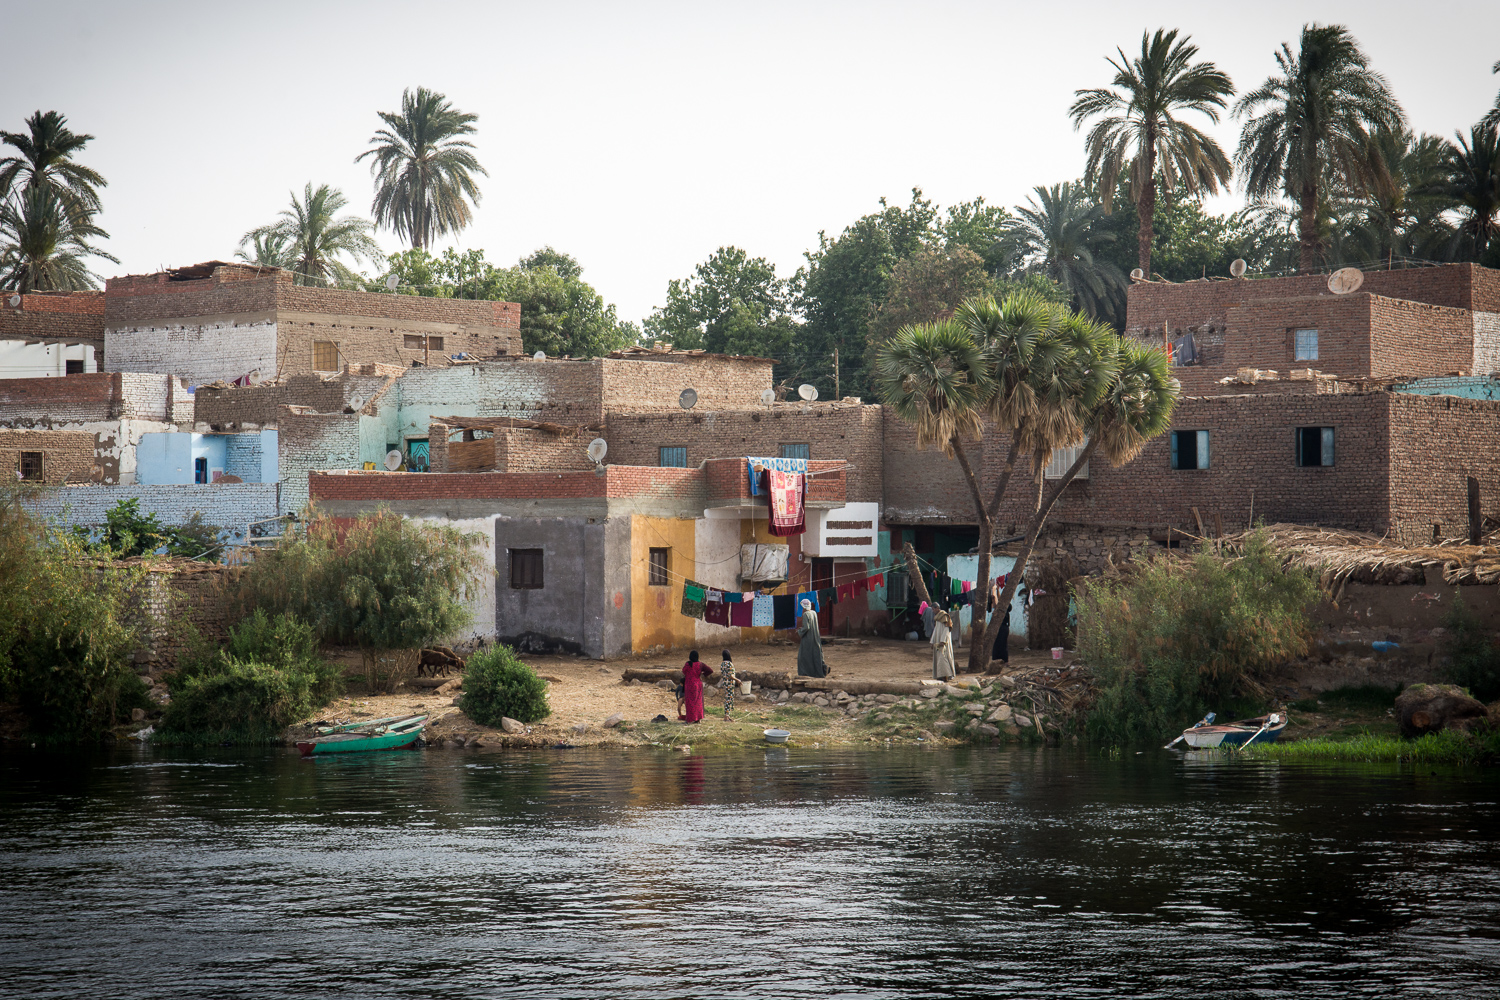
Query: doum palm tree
423, 168
42, 244
1142, 134
44, 158
1312, 125
1056, 236
314, 239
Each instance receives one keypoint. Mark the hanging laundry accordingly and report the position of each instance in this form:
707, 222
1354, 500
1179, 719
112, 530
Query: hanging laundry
717, 614
846, 591
733, 597
749, 598
807, 595
829, 596
741, 615
878, 580
1184, 350
756, 466
787, 502
715, 596
964, 587
762, 611
692, 599
785, 614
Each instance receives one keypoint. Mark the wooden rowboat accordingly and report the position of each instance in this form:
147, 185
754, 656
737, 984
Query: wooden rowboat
395, 733
1261, 729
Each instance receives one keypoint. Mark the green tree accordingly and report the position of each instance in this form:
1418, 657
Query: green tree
424, 170
1472, 185
565, 264
315, 240
1191, 243
1492, 117
44, 159
983, 229
1405, 217
268, 250
1061, 234
699, 306
1141, 134
43, 245
1312, 125
929, 285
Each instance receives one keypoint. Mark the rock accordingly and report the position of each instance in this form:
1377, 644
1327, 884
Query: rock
931, 692
458, 702
976, 709
989, 730
665, 685
1428, 708
1007, 681
925, 735
886, 699
821, 702
1001, 714
943, 726
1023, 721
1011, 729
985, 691
137, 715
449, 687
511, 725
882, 716
955, 691
614, 720
581, 727
745, 697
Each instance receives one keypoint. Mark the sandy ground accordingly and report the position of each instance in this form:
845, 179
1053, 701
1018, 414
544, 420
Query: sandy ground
584, 693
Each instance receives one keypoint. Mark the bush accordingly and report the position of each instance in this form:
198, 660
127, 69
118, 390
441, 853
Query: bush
1183, 637
497, 684
1475, 659
245, 702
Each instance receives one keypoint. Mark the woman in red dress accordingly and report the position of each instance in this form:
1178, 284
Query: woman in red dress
693, 675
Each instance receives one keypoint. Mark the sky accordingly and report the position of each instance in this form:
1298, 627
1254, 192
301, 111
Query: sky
641, 137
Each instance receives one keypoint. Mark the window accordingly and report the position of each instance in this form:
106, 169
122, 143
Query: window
673, 458
73, 366
435, 343
801, 451
31, 466
525, 569
325, 356
1314, 446
1305, 345
200, 470
1063, 459
658, 576
1190, 449
897, 588
411, 341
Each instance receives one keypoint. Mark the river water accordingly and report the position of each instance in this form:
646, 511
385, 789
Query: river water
777, 872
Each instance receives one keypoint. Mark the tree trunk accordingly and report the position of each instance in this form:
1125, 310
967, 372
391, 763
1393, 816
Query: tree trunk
1307, 230
914, 571
986, 540
1049, 498
1146, 206
979, 650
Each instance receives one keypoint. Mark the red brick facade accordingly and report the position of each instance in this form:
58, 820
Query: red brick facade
69, 318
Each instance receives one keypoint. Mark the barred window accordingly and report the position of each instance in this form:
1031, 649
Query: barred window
325, 356
658, 576
30, 466
801, 451
526, 569
673, 458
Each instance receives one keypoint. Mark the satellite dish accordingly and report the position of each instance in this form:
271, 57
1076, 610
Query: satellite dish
768, 396
597, 450
391, 282
1136, 274
807, 392
356, 403
688, 399
539, 356
1237, 268
15, 301
393, 459
1345, 280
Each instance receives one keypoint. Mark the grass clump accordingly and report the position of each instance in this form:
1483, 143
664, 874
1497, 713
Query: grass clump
268, 676
1353, 696
1446, 747
1179, 638
1475, 659
497, 684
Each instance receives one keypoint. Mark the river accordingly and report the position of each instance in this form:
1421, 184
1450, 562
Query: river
780, 872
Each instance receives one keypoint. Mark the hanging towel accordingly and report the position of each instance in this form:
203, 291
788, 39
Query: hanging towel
748, 598
846, 591
693, 593
756, 466
762, 611
733, 597
741, 615
964, 587
787, 502
878, 580
785, 614
715, 596
717, 614
807, 595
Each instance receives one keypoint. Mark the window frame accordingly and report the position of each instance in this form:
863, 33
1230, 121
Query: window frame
1327, 447
806, 447
661, 456
334, 345
73, 366
520, 578
38, 460
1062, 460
659, 573
1202, 460
200, 466
1297, 340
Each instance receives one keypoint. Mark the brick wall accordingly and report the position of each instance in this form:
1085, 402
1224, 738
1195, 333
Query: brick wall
312, 441
831, 431
923, 487
250, 406
1436, 443
73, 317
228, 505
1415, 338
722, 383
67, 456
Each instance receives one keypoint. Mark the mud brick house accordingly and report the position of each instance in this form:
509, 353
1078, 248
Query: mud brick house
595, 561
217, 321
46, 334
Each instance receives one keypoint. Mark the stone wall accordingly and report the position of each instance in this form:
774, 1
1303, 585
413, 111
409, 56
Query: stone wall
308, 442
232, 506
67, 456
1437, 442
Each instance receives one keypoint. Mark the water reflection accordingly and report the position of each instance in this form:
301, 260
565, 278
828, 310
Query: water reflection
777, 872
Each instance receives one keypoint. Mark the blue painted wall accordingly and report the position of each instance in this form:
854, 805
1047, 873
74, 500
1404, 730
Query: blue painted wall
251, 456
965, 566
1466, 386
165, 459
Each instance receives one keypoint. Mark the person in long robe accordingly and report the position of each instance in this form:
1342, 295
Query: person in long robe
942, 646
810, 652
693, 675
727, 682
1001, 651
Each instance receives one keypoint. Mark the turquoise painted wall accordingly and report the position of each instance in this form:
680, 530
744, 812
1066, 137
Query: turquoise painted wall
1468, 387
965, 566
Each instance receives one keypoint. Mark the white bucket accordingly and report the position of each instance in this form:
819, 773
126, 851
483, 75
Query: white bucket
744, 687
1057, 652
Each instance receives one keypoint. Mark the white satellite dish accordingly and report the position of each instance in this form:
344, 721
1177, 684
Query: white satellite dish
1136, 274
597, 450
15, 301
539, 356
1345, 280
807, 392
1237, 268
391, 282
356, 403
688, 399
768, 396
393, 459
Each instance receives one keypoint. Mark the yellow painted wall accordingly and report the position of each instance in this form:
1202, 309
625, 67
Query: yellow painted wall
657, 618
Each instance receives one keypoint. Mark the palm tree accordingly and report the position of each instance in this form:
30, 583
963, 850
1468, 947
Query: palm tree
1056, 234
423, 170
1472, 184
1404, 219
314, 239
1141, 132
1492, 117
1312, 126
268, 249
42, 244
45, 159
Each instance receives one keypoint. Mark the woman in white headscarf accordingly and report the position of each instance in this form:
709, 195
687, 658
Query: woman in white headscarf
810, 652
942, 646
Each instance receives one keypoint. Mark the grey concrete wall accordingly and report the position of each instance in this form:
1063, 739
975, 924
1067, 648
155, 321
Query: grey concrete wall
567, 612
616, 606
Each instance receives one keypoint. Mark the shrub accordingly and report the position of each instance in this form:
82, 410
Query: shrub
242, 701
1475, 660
1179, 638
497, 684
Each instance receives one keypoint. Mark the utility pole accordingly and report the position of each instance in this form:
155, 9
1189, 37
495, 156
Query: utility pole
836, 374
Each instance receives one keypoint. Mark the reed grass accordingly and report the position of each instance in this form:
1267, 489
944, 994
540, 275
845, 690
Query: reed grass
1446, 747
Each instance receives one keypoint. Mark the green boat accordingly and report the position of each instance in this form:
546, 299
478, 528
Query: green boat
395, 733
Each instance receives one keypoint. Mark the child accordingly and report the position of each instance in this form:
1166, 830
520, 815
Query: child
727, 682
